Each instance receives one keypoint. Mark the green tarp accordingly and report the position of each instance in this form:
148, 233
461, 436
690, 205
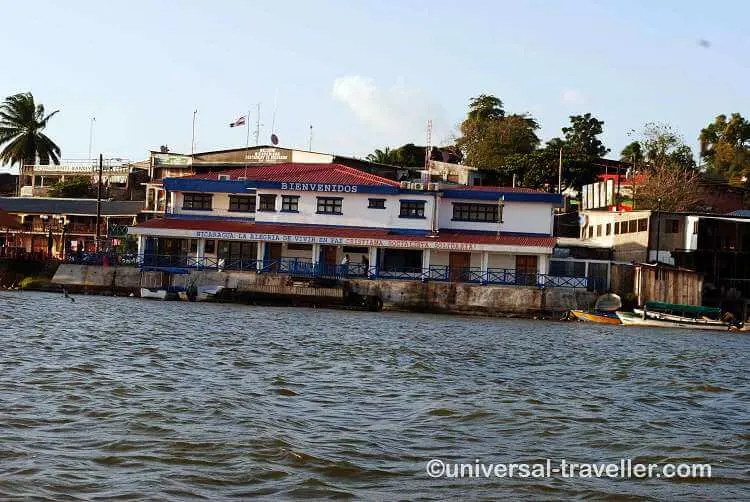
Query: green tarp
682, 309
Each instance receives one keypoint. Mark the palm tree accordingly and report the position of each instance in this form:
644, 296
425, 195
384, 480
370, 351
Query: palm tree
21, 125
385, 156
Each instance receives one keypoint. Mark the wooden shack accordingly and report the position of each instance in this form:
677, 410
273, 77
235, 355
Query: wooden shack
669, 284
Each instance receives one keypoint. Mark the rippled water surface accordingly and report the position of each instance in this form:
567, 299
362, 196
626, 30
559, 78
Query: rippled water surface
124, 398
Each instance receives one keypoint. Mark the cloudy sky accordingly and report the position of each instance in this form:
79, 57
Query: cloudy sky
367, 74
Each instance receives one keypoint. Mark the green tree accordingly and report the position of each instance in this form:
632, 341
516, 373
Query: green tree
669, 174
72, 187
581, 149
21, 124
632, 153
725, 144
663, 146
489, 137
385, 156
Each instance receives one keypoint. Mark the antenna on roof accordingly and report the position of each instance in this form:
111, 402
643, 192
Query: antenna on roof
309, 140
257, 127
428, 152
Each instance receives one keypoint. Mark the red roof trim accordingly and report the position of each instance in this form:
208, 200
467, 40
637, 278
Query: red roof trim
345, 232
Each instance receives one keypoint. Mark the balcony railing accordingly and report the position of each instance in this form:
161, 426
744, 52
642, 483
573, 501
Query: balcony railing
305, 268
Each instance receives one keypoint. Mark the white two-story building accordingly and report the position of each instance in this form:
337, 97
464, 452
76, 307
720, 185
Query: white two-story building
331, 219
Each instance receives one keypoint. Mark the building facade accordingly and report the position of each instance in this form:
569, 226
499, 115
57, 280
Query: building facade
57, 228
300, 217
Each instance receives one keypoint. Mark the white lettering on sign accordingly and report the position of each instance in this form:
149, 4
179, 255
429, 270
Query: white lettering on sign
268, 155
308, 239
318, 187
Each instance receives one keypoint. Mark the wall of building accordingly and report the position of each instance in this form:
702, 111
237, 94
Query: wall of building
627, 247
355, 211
521, 217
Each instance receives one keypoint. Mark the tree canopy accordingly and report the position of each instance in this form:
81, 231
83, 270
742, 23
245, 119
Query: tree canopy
74, 187
669, 175
725, 144
21, 124
490, 138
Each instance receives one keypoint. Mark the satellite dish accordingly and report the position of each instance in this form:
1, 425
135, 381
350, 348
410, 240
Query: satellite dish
274, 139
583, 219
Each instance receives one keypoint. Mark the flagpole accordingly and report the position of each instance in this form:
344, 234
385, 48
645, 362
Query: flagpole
247, 139
192, 144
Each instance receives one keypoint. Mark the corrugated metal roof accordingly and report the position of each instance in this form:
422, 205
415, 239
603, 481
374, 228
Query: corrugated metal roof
302, 173
350, 232
742, 213
51, 205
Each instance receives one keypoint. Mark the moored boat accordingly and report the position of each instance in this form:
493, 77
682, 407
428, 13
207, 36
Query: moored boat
672, 315
604, 310
596, 317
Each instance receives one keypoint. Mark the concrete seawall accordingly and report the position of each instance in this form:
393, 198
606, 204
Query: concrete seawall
463, 298
522, 301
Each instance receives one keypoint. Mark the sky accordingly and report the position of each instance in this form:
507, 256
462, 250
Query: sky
367, 74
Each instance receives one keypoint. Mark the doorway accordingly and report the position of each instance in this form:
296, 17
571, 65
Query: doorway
458, 264
274, 255
526, 269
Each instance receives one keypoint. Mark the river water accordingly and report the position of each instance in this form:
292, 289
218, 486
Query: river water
124, 398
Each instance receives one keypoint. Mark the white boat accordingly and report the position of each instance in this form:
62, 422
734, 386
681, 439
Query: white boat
634, 319
669, 315
202, 293
154, 293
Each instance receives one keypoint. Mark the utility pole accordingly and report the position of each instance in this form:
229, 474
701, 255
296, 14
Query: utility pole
309, 141
97, 244
559, 173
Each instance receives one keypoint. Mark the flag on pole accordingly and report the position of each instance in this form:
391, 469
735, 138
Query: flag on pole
239, 122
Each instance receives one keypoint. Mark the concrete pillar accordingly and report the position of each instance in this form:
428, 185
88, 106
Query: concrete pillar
200, 253
172, 202
315, 253
485, 265
425, 264
261, 255
373, 259
141, 244
542, 268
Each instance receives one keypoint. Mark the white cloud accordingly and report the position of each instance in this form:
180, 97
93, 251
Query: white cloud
573, 97
395, 115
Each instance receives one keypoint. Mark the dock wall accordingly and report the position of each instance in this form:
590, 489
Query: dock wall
522, 301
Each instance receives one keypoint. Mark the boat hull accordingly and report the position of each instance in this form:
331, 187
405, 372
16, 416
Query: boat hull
594, 317
635, 319
154, 293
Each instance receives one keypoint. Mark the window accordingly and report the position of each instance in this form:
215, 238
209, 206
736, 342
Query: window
591, 231
565, 268
609, 229
633, 226
673, 226
197, 201
695, 227
242, 203
598, 230
267, 202
376, 204
475, 212
329, 205
643, 224
210, 247
412, 209
617, 227
290, 203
